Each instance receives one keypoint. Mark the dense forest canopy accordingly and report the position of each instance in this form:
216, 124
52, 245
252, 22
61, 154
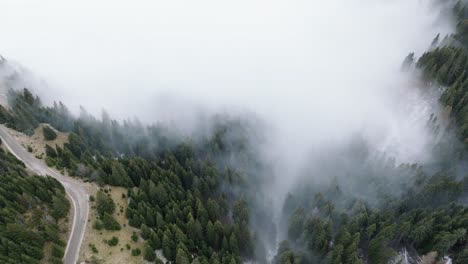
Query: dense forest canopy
184, 193
30, 207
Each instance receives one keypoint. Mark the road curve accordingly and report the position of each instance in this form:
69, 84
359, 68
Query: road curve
77, 193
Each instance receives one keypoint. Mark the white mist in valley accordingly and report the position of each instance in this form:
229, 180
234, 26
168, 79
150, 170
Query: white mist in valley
318, 73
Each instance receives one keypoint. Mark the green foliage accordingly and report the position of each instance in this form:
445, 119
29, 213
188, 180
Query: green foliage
134, 237
149, 254
285, 255
145, 232
55, 260
109, 223
113, 241
98, 225
49, 133
172, 216
176, 187
50, 151
57, 251
296, 224
104, 204
425, 219
27, 204
136, 252
447, 65
60, 207
93, 248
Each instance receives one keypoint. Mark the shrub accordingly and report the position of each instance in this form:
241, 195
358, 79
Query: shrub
113, 241
134, 237
57, 251
93, 248
49, 133
136, 252
110, 223
60, 207
50, 162
98, 225
55, 260
104, 204
50, 151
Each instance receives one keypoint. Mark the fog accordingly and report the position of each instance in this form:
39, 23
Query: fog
316, 69
317, 73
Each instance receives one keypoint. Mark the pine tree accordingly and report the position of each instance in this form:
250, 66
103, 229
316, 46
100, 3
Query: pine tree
49, 133
211, 234
234, 244
148, 253
181, 257
145, 231
104, 204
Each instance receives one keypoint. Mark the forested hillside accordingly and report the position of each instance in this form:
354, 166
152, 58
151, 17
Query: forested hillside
415, 211
30, 207
182, 191
446, 65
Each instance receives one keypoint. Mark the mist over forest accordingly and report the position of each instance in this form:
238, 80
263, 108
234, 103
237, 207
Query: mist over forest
249, 132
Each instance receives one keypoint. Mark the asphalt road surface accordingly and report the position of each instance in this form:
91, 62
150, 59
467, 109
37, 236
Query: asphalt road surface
77, 193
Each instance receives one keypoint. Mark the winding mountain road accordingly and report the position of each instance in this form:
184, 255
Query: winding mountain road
77, 193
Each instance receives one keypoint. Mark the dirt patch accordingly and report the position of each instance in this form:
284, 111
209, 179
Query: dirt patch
96, 238
36, 143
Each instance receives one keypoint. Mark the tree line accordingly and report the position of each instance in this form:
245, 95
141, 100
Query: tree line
179, 188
